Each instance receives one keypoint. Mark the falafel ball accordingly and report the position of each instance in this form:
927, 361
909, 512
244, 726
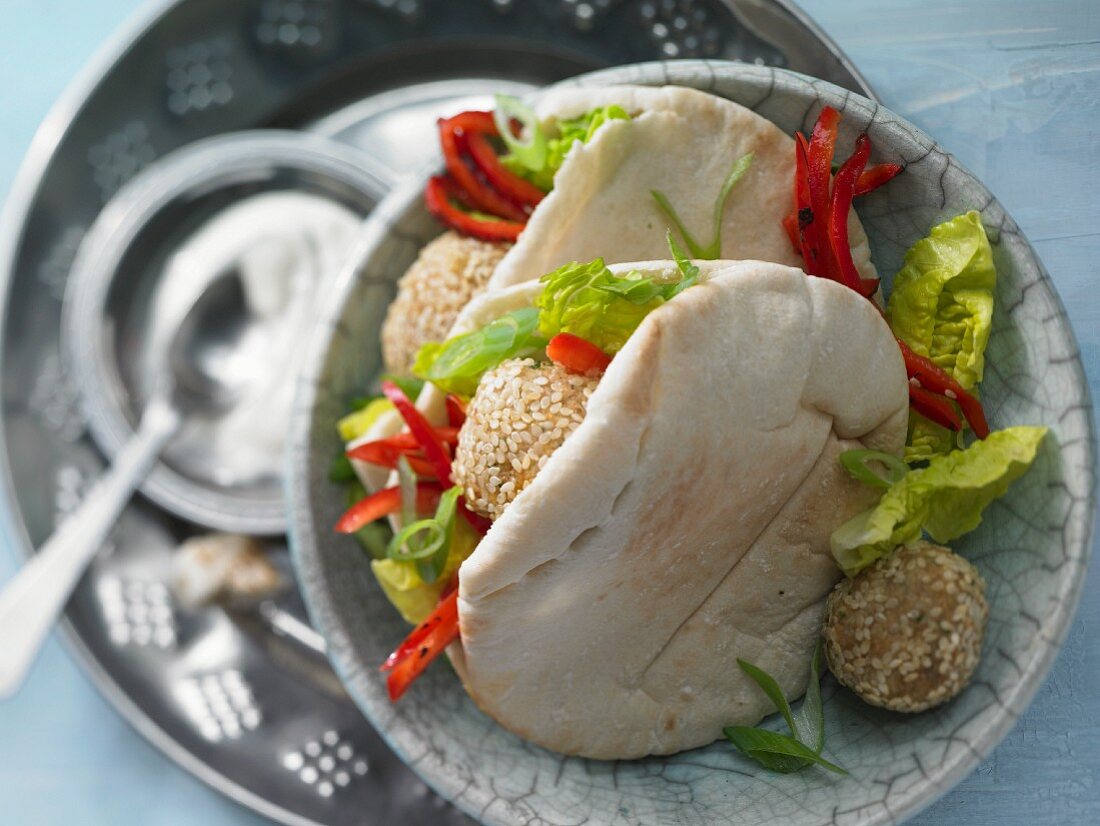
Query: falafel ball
521, 413
449, 271
906, 633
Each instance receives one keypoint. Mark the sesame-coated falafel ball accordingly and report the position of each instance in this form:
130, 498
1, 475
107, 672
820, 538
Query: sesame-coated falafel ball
520, 414
449, 271
906, 633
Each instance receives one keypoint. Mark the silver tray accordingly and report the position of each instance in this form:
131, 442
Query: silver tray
245, 699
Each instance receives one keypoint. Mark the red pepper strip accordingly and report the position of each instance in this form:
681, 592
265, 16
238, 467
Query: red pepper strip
935, 379
432, 447
843, 192
577, 355
413, 640
790, 226
804, 214
506, 182
409, 661
385, 455
385, 502
875, 176
437, 200
425, 435
933, 407
456, 412
453, 133
406, 441
819, 158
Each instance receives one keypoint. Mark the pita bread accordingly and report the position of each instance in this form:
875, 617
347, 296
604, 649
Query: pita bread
686, 521
682, 142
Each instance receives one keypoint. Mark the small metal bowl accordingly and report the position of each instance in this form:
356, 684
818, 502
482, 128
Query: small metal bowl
113, 293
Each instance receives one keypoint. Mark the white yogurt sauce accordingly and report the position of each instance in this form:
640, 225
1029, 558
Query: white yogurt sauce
288, 248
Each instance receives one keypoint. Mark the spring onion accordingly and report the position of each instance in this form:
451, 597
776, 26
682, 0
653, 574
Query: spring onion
856, 463
406, 480
417, 540
712, 250
530, 151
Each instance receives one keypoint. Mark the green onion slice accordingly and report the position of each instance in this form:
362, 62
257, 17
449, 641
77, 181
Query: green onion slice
431, 568
417, 540
531, 152
856, 463
406, 481
712, 250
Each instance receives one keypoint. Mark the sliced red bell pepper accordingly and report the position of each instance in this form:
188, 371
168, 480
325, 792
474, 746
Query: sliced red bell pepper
577, 355
383, 503
383, 454
935, 379
804, 214
933, 407
406, 441
456, 413
426, 642
843, 193
453, 133
511, 186
790, 226
437, 198
433, 449
875, 176
386, 452
425, 435
413, 640
819, 159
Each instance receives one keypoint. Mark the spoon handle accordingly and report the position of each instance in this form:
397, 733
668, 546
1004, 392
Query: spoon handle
31, 602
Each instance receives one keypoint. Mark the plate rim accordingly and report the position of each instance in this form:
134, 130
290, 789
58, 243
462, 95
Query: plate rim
948, 773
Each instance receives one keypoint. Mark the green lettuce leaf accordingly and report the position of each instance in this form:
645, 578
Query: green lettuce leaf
589, 301
570, 130
942, 307
946, 498
457, 364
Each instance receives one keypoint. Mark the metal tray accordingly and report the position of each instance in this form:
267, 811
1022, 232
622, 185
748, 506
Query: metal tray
245, 699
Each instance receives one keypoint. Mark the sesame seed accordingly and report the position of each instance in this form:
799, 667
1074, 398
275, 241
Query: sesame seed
899, 641
449, 271
508, 436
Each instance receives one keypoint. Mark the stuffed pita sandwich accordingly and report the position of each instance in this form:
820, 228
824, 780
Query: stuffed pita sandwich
599, 172
651, 450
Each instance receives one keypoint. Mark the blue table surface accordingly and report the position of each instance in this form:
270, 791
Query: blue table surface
1012, 87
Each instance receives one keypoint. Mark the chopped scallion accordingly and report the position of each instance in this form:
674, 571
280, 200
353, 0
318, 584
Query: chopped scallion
712, 250
856, 463
529, 151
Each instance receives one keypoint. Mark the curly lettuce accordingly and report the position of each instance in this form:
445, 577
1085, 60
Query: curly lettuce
942, 307
590, 301
457, 364
570, 131
944, 499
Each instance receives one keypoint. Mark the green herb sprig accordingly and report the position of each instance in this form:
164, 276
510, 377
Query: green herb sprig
779, 752
712, 250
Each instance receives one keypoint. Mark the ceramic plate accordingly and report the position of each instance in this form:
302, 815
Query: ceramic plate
1031, 548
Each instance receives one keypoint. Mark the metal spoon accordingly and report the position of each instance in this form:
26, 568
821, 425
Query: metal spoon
207, 361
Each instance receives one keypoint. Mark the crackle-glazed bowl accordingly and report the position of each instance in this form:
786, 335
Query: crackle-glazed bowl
1031, 547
